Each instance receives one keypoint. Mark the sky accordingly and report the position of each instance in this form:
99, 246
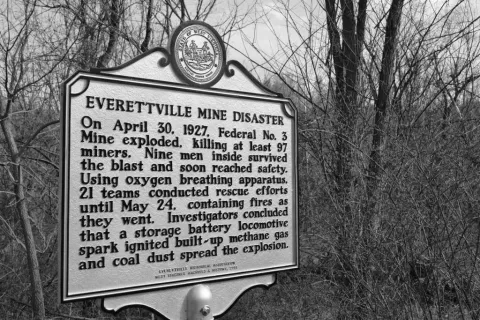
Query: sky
267, 28
270, 31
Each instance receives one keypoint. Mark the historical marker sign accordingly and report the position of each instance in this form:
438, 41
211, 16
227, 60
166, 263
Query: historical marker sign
165, 184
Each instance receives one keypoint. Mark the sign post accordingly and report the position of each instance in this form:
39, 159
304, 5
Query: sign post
179, 181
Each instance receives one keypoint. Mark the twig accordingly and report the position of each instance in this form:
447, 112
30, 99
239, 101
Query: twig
25, 146
52, 313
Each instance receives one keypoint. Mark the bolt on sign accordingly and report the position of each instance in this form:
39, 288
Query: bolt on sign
178, 169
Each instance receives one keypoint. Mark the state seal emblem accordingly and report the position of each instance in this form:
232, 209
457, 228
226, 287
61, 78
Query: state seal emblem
198, 53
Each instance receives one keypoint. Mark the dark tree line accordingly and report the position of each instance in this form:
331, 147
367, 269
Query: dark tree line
389, 144
389, 97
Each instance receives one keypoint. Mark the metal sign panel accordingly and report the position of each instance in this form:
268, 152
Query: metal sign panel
166, 185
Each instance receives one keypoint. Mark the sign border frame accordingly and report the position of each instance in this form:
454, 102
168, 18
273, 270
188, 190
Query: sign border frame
65, 185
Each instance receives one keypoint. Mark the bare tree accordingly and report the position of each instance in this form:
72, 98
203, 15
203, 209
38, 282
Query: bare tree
373, 80
18, 77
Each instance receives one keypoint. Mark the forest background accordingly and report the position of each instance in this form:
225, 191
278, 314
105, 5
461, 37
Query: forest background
389, 107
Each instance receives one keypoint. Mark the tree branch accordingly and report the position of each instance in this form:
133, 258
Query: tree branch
148, 28
39, 130
113, 34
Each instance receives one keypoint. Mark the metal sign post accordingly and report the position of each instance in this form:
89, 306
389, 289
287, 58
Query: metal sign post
179, 181
199, 299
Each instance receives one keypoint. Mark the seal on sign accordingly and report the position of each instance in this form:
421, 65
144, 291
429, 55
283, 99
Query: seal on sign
199, 53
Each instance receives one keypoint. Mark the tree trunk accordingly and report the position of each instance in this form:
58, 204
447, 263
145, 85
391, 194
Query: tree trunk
381, 106
38, 304
114, 23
